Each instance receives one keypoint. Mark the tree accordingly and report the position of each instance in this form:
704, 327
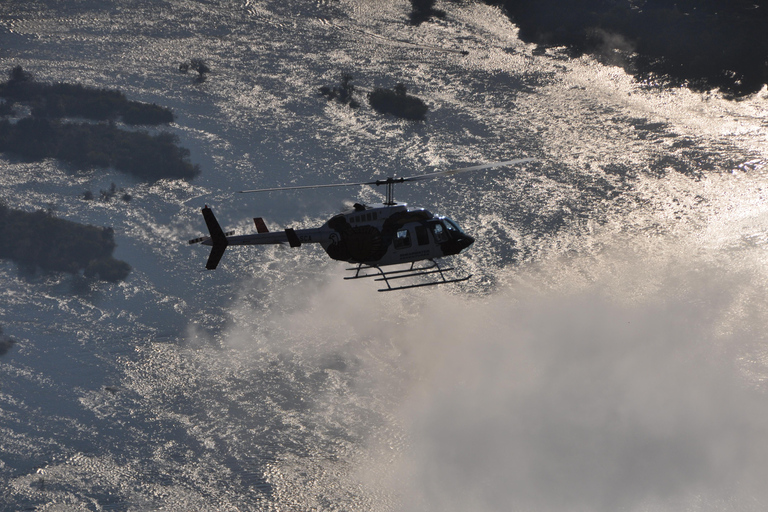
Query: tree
197, 65
344, 93
422, 10
6, 342
18, 74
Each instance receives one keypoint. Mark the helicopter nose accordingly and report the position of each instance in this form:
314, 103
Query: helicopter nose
457, 244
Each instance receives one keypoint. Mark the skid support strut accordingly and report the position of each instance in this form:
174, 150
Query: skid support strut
432, 269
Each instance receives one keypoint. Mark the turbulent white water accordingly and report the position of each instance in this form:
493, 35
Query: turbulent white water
609, 353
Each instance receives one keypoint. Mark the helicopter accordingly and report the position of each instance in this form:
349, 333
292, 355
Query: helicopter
368, 236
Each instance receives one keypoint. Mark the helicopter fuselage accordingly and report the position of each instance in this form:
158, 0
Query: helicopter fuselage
375, 235
392, 234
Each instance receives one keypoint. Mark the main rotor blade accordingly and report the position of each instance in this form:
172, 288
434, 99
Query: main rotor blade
451, 172
300, 187
432, 175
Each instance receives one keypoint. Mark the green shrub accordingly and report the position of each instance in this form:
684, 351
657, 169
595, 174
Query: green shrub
398, 103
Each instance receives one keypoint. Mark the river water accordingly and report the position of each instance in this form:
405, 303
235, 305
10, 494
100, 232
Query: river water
608, 354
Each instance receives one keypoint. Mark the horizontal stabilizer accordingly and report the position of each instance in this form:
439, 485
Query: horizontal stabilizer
203, 238
213, 259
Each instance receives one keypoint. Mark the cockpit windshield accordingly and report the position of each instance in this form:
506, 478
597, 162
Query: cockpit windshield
438, 232
450, 237
451, 226
445, 229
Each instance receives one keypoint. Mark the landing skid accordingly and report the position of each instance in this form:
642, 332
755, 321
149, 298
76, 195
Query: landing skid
432, 269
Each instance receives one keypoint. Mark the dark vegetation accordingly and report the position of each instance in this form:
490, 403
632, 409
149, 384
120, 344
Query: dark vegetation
40, 240
197, 65
423, 10
86, 145
343, 93
6, 109
6, 342
704, 44
398, 103
60, 100
109, 194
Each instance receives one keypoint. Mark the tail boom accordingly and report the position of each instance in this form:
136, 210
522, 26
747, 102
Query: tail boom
219, 240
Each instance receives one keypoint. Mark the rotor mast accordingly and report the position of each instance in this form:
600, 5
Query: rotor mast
390, 183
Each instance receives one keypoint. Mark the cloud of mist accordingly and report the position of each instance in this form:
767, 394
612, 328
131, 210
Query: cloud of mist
613, 48
603, 398
627, 383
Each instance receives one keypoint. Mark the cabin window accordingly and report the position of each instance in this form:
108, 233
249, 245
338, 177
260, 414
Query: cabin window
439, 232
363, 217
402, 239
421, 235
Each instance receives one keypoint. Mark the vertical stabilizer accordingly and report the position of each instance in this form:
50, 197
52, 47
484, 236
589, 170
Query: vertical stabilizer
218, 239
261, 227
